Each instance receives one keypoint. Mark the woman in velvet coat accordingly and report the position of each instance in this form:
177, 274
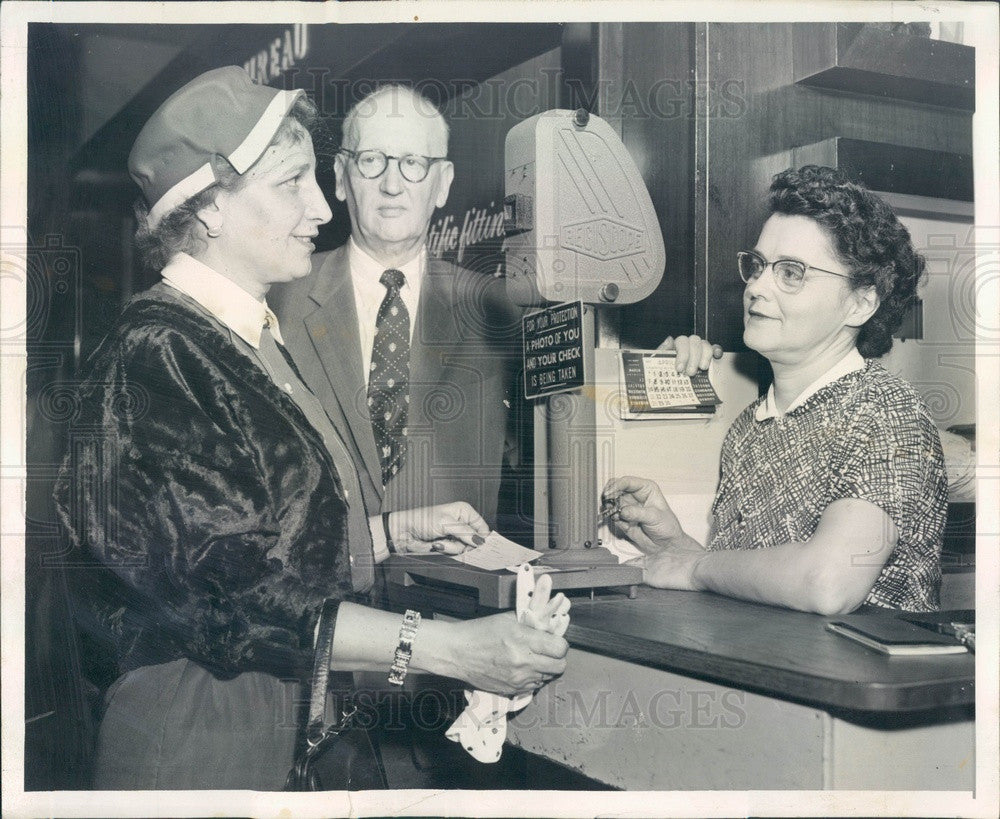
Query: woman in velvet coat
214, 492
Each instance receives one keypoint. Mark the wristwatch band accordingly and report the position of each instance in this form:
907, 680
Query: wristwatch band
404, 650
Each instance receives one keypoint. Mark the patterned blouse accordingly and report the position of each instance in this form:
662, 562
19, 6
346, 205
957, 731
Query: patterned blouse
866, 435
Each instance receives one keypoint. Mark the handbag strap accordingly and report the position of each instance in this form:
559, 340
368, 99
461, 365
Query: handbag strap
316, 728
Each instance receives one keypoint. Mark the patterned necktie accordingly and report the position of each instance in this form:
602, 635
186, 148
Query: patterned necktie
389, 379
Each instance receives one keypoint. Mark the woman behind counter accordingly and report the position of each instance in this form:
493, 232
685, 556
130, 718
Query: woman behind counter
215, 491
832, 489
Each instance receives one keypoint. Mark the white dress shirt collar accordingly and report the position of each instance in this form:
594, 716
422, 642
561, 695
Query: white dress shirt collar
225, 300
365, 266
768, 408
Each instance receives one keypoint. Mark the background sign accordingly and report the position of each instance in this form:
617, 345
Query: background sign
552, 341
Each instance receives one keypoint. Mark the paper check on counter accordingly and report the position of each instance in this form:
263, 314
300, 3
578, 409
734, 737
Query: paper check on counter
497, 553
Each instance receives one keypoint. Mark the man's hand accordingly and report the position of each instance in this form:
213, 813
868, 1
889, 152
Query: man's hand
693, 353
643, 515
447, 527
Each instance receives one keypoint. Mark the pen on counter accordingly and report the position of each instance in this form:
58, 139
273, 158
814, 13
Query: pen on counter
962, 630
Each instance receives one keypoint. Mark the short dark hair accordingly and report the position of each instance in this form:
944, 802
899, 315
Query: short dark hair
175, 232
868, 237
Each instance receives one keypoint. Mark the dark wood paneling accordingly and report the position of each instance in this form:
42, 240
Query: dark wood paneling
753, 60
658, 97
865, 59
750, 77
894, 168
794, 115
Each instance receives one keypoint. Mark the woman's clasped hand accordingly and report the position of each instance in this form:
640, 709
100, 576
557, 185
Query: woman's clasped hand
499, 654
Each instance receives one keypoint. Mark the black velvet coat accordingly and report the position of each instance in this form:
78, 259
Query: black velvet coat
210, 501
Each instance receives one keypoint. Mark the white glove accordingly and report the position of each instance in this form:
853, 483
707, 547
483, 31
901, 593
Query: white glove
482, 727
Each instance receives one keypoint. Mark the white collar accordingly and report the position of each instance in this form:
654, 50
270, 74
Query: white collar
848, 364
225, 300
364, 265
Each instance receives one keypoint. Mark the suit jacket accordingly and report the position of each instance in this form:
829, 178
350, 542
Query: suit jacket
460, 371
207, 497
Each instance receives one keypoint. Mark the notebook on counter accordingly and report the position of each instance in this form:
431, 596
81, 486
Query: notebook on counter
894, 637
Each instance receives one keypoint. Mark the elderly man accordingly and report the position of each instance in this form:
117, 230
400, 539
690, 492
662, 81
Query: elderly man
406, 351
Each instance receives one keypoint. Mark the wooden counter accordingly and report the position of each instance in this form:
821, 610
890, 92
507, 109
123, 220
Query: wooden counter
771, 650
694, 691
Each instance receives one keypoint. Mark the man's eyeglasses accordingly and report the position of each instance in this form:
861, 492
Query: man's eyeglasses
789, 274
372, 164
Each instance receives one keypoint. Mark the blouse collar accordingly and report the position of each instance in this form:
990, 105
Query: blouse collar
768, 408
225, 300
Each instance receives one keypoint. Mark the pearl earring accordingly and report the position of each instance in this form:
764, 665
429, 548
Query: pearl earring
214, 232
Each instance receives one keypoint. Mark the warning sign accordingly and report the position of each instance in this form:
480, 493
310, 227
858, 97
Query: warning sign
552, 341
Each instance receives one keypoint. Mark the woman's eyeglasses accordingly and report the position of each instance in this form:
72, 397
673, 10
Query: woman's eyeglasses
372, 164
789, 274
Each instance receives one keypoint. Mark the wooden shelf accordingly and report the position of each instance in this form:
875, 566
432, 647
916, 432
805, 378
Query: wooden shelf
858, 58
893, 168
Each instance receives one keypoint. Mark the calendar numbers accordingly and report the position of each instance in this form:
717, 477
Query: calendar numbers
653, 385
